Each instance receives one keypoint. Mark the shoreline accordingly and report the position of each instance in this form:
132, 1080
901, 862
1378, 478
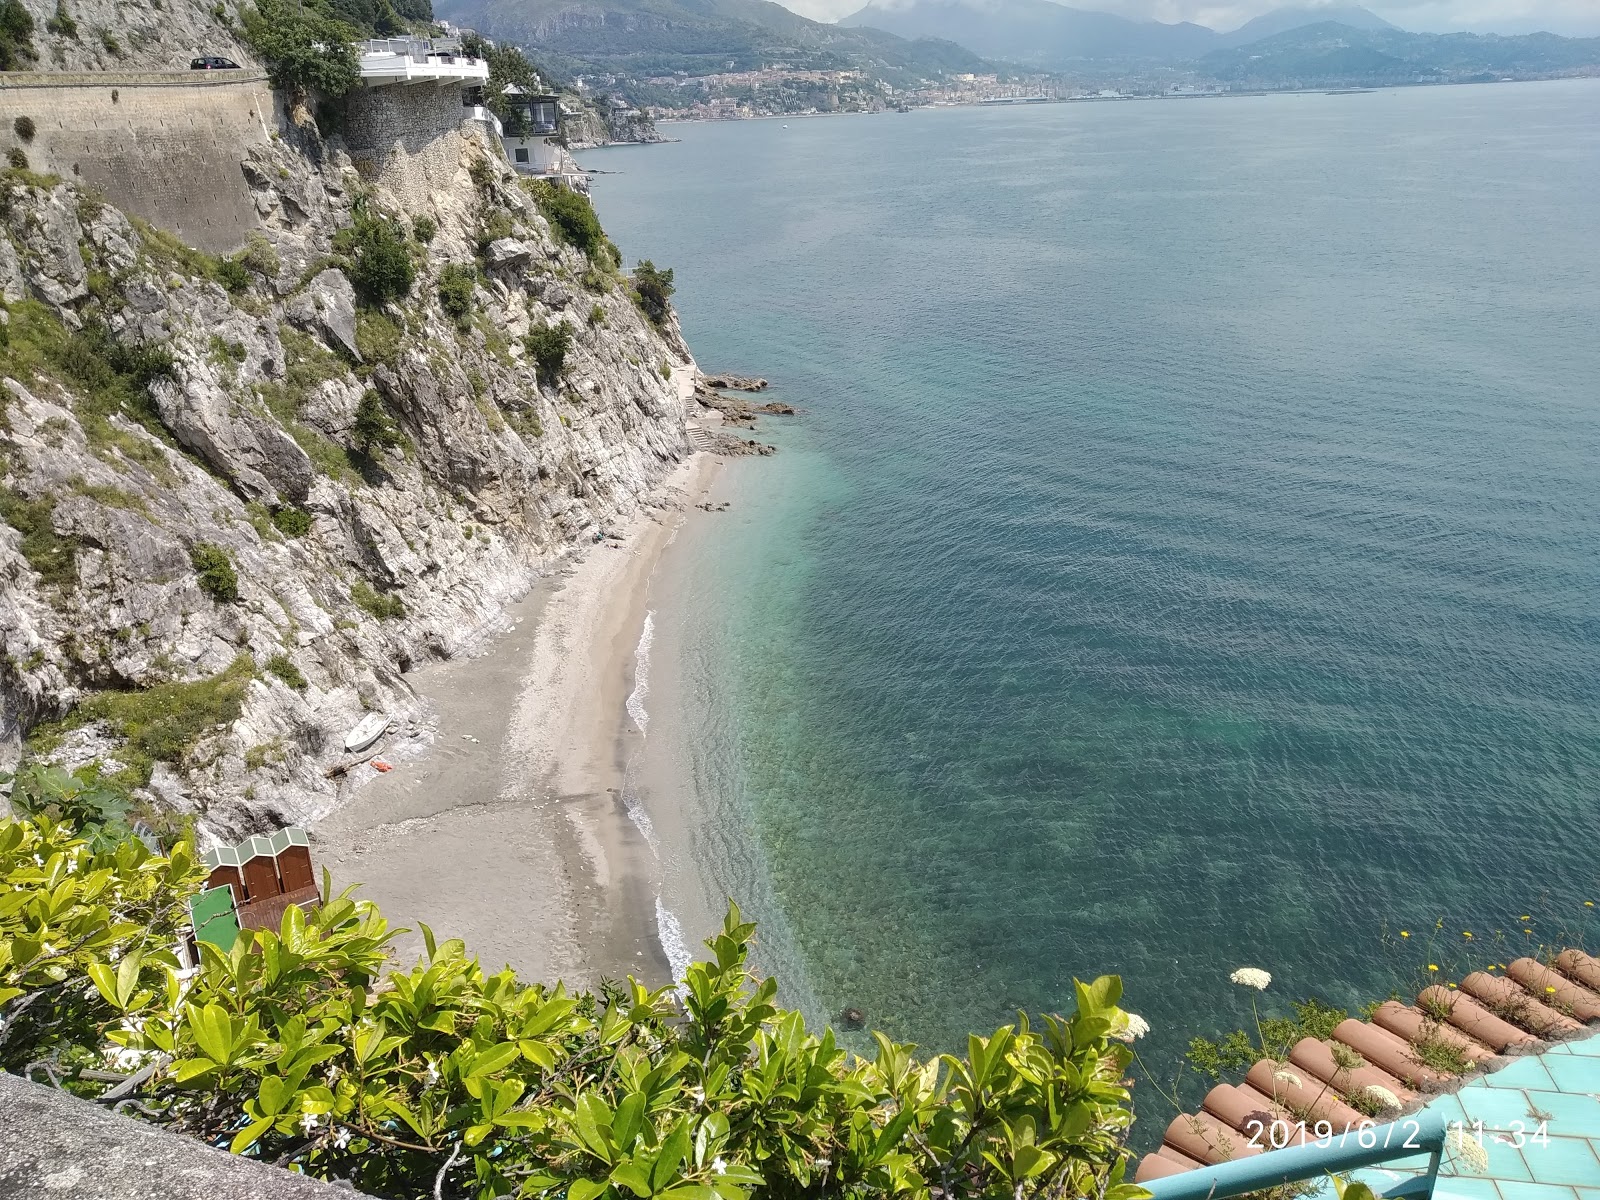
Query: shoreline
504, 821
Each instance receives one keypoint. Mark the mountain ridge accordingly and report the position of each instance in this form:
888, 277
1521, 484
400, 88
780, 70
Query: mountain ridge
1042, 33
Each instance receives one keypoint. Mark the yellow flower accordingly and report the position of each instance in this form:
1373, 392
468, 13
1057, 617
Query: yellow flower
1405, 933
1524, 917
1490, 967
1451, 985
1550, 989
1433, 966
1466, 933
1588, 903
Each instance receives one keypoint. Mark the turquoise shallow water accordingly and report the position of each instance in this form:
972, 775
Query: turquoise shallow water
1188, 555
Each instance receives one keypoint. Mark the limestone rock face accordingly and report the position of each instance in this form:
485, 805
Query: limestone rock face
327, 306
243, 422
114, 35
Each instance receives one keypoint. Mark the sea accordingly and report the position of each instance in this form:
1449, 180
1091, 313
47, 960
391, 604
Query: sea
1186, 554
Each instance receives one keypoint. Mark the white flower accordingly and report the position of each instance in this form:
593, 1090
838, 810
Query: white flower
719, 1165
433, 1074
1468, 1149
341, 1139
1131, 1027
1381, 1095
308, 1122
1284, 1075
1253, 977
333, 1074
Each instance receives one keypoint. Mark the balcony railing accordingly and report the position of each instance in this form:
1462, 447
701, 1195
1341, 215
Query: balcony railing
1422, 1133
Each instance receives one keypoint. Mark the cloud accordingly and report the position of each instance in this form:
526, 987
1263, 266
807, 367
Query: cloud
1574, 18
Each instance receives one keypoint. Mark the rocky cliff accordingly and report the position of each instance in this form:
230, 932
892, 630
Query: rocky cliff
116, 35
601, 123
242, 500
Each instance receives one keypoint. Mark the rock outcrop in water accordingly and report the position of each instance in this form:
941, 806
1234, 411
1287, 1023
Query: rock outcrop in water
236, 516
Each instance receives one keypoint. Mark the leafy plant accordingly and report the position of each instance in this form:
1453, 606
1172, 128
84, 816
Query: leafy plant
98, 812
16, 36
160, 723
374, 428
424, 229
17, 158
300, 1046
214, 566
652, 291
61, 23
385, 606
572, 218
378, 260
305, 50
25, 128
291, 521
283, 667
457, 282
548, 346
47, 552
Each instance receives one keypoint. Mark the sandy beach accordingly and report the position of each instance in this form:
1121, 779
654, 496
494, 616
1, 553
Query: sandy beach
503, 821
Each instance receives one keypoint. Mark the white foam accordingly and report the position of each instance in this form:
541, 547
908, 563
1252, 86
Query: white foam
641, 673
641, 819
672, 943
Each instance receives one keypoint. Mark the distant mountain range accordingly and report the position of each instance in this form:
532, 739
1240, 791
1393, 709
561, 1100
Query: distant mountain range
1042, 34
1333, 54
904, 42
699, 37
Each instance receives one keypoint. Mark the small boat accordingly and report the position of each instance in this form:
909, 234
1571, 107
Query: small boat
371, 727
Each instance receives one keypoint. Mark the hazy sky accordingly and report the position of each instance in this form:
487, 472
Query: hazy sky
1575, 18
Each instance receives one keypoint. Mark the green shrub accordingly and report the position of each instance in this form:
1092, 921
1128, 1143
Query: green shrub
218, 579
378, 260
283, 667
383, 605
457, 282
498, 224
162, 723
16, 36
597, 317
571, 216
47, 552
424, 229
374, 428
18, 158
291, 521
97, 811
233, 275
304, 49
62, 24
25, 128
652, 291
378, 336
548, 347
306, 1046
260, 257
108, 40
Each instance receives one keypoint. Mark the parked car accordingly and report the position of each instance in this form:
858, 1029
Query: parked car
213, 63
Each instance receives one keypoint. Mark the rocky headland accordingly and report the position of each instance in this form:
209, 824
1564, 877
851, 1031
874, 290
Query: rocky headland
244, 497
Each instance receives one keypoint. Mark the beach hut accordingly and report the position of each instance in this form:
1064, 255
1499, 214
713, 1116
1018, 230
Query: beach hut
263, 875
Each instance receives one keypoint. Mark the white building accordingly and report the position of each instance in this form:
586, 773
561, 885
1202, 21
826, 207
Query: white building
386, 62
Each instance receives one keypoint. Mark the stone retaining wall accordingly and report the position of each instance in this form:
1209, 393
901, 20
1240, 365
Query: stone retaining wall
160, 147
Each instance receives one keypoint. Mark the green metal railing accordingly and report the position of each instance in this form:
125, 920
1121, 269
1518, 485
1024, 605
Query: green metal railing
1371, 1146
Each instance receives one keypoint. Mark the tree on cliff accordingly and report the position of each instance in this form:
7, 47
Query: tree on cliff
16, 36
305, 50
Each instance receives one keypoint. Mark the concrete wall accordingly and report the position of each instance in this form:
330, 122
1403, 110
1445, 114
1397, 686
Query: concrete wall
411, 138
166, 149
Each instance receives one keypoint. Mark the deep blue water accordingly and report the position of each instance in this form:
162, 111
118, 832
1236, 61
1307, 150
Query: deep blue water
1188, 555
